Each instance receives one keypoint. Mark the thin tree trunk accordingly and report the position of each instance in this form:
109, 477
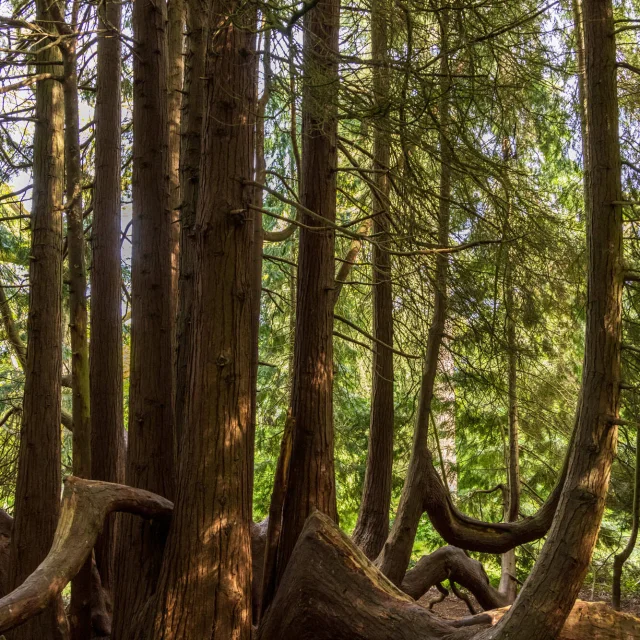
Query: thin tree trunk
582, 91
196, 41
508, 583
150, 451
444, 423
372, 526
80, 607
312, 461
105, 347
550, 591
621, 558
394, 557
258, 239
38, 483
210, 536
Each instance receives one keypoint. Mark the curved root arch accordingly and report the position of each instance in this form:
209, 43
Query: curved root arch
85, 505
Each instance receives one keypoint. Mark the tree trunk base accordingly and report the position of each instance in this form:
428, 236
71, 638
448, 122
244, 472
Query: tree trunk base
587, 621
331, 591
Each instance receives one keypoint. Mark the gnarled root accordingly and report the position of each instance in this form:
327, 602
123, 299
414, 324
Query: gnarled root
85, 505
330, 590
454, 564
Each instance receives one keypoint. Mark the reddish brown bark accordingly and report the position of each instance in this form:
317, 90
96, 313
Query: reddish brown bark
312, 463
150, 451
196, 20
38, 483
326, 575
550, 591
372, 527
105, 347
205, 585
175, 65
85, 505
274, 528
587, 621
80, 605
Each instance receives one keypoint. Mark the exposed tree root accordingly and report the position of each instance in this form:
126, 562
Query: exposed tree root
587, 621
330, 591
454, 564
85, 505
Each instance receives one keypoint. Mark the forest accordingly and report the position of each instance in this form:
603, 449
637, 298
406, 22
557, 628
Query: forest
319, 319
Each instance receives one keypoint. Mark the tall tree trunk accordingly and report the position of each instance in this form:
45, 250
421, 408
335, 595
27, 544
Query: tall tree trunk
550, 591
623, 556
105, 347
38, 484
196, 42
150, 457
312, 462
175, 77
394, 557
508, 583
372, 526
205, 584
80, 607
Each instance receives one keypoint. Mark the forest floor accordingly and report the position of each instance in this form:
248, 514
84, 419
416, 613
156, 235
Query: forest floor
452, 608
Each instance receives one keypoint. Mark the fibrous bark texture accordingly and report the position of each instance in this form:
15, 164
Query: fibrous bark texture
85, 505
312, 461
205, 584
105, 348
372, 527
192, 107
80, 606
325, 576
551, 589
175, 66
150, 451
38, 483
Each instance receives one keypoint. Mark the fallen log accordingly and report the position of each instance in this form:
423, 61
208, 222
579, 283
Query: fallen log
85, 505
453, 564
331, 591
